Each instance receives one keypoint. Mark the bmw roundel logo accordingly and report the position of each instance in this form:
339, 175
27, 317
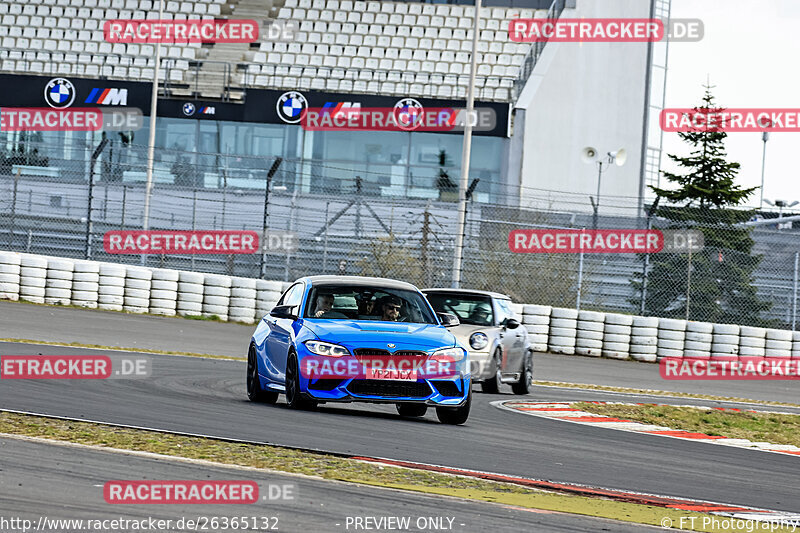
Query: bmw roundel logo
390, 345
59, 93
188, 109
291, 107
408, 114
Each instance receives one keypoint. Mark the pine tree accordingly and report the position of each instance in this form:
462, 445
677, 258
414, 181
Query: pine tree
705, 198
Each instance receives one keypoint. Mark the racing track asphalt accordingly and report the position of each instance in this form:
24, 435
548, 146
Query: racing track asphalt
205, 396
68, 484
146, 332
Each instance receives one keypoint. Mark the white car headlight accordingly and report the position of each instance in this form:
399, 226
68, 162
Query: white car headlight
326, 348
450, 355
478, 340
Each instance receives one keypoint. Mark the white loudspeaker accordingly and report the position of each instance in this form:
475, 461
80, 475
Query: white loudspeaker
619, 157
589, 154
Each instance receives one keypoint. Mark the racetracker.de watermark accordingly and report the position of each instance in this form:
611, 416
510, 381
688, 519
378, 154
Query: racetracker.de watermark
197, 242
73, 119
742, 368
137, 492
398, 119
604, 30
181, 31
402, 368
625, 241
74, 367
751, 119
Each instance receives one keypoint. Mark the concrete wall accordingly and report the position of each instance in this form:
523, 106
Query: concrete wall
584, 94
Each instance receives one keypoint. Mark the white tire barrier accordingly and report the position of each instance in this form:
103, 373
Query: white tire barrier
752, 341
9, 275
137, 289
796, 345
190, 293
589, 334
725, 342
267, 295
644, 338
617, 336
536, 319
517, 309
111, 289
778, 344
699, 336
164, 291
86, 284
216, 296
58, 286
563, 321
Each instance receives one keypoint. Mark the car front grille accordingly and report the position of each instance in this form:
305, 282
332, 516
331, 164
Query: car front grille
447, 388
376, 387
369, 353
324, 384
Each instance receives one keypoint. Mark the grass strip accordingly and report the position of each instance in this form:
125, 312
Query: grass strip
651, 392
757, 427
347, 470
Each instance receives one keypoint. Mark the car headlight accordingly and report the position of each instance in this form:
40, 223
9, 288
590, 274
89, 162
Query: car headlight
450, 355
478, 340
326, 348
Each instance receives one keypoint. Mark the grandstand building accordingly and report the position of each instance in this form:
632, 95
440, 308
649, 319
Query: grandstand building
227, 110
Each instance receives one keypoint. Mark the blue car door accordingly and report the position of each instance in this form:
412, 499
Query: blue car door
281, 334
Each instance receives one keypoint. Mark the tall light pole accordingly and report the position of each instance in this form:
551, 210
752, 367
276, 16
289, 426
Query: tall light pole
465, 152
151, 143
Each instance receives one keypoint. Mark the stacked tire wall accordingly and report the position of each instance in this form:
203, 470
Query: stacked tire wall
136, 289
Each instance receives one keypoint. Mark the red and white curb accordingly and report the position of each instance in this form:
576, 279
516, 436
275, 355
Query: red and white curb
566, 413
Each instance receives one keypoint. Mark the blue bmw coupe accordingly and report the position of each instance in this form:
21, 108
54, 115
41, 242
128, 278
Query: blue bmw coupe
346, 339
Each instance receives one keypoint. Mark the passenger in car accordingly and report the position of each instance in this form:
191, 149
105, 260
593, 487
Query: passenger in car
324, 304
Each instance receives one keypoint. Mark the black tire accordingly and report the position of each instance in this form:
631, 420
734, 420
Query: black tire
412, 409
455, 415
254, 391
523, 386
294, 398
492, 385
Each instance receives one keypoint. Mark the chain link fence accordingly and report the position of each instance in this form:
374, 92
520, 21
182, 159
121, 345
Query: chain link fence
345, 225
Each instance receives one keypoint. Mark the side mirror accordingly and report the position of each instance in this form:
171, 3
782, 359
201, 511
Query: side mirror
448, 320
283, 311
512, 323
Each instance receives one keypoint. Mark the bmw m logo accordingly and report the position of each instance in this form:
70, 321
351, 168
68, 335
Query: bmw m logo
59, 93
291, 107
408, 114
390, 345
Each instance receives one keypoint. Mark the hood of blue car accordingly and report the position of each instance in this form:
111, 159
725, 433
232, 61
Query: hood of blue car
377, 334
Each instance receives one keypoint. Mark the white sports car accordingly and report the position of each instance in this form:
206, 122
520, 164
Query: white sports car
499, 349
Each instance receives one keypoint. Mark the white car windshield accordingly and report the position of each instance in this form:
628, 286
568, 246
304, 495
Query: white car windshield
473, 309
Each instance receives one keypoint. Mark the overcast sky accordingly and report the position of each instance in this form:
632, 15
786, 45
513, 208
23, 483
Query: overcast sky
751, 53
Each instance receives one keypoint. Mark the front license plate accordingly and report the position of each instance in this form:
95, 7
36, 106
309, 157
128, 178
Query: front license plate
393, 375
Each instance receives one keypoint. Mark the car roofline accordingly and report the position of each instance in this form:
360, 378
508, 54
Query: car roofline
496, 295
360, 281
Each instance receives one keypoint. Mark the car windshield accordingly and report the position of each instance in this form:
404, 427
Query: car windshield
473, 309
347, 302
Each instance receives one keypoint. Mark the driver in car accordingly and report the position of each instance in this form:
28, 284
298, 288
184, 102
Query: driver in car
391, 308
480, 314
323, 305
